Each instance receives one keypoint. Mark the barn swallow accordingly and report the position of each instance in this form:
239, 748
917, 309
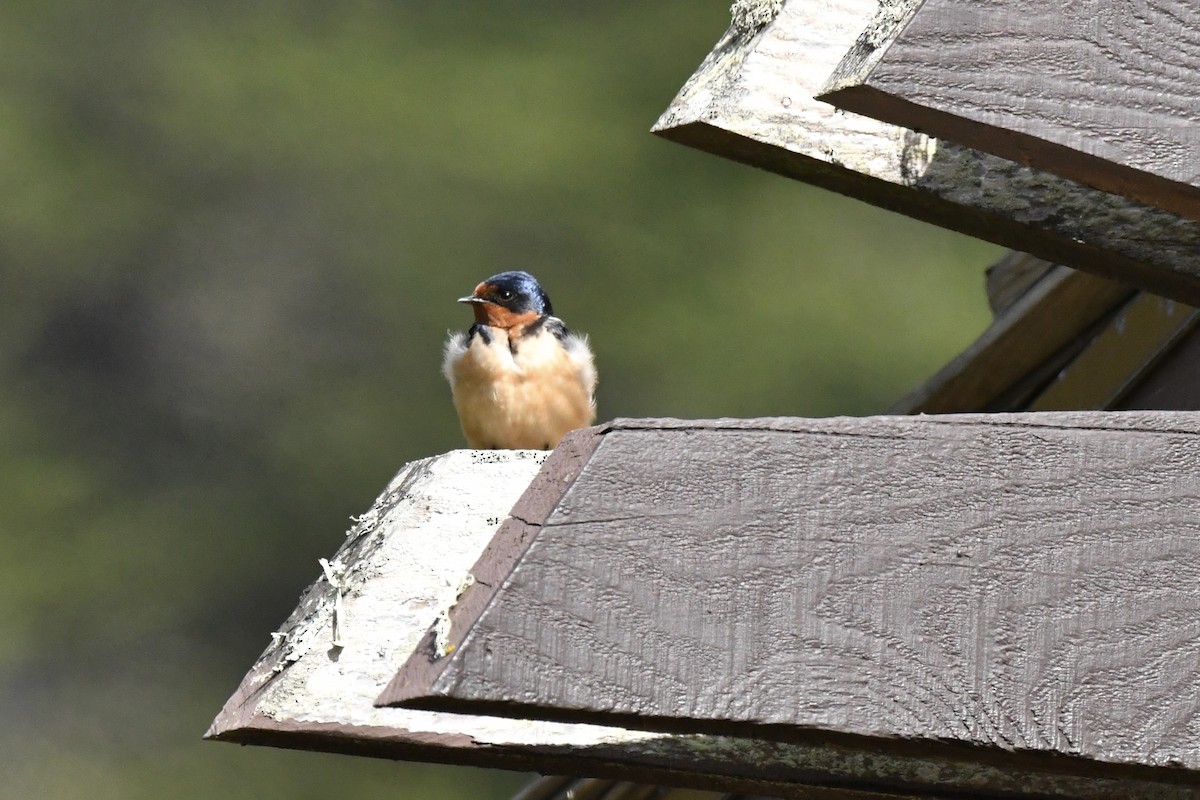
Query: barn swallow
519, 377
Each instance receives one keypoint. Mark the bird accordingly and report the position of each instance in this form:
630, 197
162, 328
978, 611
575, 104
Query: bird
519, 377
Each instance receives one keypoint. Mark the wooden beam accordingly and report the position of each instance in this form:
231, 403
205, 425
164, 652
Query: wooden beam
1064, 340
1013, 593
1098, 91
400, 569
1120, 356
752, 100
1037, 334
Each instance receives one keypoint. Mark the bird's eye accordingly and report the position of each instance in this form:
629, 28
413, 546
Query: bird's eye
505, 294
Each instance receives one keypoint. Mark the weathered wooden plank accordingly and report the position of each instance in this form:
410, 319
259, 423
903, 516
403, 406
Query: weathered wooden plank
1024, 584
1036, 334
752, 100
401, 567
1098, 91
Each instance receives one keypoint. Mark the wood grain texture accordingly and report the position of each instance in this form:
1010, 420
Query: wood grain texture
1098, 91
404, 559
752, 100
1021, 583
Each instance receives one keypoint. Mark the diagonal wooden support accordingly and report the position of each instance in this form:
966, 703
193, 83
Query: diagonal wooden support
753, 100
1039, 332
1098, 91
1008, 594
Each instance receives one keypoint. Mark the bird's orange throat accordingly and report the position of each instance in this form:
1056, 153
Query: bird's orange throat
496, 316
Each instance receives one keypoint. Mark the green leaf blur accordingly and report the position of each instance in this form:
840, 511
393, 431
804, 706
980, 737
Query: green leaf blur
231, 236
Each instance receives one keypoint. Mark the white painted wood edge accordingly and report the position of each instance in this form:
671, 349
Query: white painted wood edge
400, 570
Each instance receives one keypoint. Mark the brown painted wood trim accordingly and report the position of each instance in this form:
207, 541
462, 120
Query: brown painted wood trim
651, 497
497, 561
823, 766
1174, 197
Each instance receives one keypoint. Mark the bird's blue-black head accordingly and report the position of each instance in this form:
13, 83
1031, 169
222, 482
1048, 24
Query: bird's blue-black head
517, 292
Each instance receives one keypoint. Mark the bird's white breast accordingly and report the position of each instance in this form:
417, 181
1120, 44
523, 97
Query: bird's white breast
524, 393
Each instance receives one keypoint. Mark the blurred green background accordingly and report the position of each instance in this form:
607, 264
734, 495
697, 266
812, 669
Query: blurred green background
231, 236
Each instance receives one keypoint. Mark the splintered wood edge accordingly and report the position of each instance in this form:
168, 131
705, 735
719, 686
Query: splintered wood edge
240, 712
850, 88
512, 539
286, 698
724, 109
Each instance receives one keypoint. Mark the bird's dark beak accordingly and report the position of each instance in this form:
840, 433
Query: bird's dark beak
471, 299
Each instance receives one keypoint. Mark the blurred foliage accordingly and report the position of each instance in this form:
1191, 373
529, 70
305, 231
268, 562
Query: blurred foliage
230, 240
